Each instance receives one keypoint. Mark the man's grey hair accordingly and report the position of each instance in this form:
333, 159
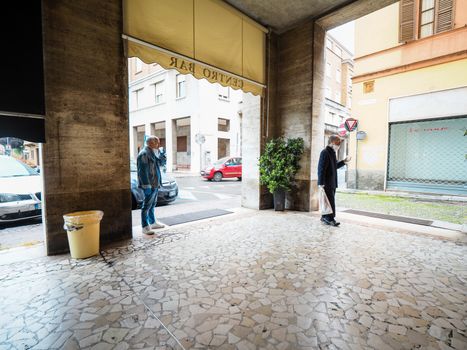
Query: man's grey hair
152, 138
333, 138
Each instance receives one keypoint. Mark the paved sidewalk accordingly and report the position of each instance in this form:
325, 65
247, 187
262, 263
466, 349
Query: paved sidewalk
250, 280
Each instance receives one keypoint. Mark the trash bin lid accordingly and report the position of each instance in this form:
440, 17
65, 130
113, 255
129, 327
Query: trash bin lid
88, 216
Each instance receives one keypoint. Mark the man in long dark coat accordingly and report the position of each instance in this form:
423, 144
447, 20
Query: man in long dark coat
327, 175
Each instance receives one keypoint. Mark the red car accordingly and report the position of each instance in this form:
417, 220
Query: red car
227, 167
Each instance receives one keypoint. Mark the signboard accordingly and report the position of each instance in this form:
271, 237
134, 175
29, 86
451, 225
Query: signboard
351, 124
200, 139
361, 135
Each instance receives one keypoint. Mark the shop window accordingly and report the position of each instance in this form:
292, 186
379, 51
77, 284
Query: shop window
428, 155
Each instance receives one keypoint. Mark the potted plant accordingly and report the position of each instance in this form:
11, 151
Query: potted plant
278, 165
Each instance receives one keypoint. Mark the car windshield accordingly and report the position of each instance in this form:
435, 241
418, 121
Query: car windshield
10, 167
221, 161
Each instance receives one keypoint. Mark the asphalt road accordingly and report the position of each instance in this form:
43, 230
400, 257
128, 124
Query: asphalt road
195, 194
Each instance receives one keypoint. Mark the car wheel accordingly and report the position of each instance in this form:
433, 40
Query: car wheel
134, 205
239, 178
217, 176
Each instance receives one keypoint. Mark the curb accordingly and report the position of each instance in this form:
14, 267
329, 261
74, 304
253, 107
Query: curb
430, 197
434, 223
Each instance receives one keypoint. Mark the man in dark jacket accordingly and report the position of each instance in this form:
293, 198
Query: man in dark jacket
149, 161
327, 175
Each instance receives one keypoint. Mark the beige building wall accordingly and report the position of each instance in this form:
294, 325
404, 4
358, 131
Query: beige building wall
434, 63
377, 31
371, 109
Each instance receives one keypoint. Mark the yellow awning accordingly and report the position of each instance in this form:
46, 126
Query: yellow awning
206, 38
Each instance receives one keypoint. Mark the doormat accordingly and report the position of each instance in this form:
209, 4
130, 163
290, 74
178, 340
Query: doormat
390, 217
198, 215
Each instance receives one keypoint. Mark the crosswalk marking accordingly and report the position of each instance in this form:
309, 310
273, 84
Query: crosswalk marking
186, 195
192, 195
222, 196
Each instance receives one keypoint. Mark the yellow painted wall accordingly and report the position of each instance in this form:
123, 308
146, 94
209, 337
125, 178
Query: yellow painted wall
377, 31
460, 15
372, 109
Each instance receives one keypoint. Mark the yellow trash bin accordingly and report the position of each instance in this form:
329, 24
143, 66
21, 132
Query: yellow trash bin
83, 232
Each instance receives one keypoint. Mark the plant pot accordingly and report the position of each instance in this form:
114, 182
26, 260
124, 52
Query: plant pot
279, 200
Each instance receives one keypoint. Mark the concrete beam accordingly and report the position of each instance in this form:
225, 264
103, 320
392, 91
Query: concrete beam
351, 12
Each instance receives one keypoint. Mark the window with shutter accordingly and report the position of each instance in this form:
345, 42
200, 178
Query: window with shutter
406, 20
427, 18
444, 15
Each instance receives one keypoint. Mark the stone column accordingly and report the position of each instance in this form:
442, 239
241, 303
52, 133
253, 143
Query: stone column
317, 127
294, 102
251, 146
86, 154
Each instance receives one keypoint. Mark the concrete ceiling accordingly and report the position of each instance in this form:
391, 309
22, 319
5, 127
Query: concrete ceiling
281, 15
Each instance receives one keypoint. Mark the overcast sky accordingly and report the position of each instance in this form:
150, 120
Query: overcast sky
345, 34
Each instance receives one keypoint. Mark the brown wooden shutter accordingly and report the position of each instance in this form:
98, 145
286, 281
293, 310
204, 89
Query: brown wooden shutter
182, 144
406, 20
444, 15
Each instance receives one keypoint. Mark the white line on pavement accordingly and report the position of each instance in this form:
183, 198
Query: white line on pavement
186, 195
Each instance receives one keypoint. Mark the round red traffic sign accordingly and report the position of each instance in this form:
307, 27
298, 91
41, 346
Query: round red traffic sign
342, 131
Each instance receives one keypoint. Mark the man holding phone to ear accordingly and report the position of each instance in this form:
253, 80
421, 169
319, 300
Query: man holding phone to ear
149, 161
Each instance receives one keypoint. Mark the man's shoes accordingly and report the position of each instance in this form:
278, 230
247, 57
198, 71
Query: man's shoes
147, 230
157, 225
325, 221
330, 222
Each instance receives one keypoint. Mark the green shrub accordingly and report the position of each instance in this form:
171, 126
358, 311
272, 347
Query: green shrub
279, 163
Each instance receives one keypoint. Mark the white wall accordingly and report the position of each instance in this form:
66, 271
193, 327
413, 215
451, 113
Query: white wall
201, 103
436, 104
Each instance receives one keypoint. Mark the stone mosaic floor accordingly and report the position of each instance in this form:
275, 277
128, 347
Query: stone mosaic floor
257, 280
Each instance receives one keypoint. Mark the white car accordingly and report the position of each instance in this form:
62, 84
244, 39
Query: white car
20, 191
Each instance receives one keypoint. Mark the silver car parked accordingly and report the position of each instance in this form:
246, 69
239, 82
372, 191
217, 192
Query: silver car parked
20, 190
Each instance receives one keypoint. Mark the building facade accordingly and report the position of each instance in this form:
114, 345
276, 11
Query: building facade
196, 121
338, 95
410, 97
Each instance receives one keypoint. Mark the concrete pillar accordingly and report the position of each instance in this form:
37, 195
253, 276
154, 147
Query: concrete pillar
251, 110
296, 106
173, 134
169, 144
294, 102
317, 127
86, 155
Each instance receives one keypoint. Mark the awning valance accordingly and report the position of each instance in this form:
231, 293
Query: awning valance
206, 38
